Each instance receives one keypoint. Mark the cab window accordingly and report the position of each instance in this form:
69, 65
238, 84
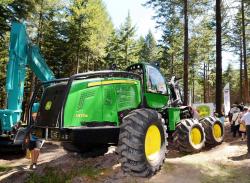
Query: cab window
155, 81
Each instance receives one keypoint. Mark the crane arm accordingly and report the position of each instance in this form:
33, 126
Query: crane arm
38, 65
21, 55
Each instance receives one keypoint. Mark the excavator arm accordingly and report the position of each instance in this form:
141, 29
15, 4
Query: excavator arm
21, 54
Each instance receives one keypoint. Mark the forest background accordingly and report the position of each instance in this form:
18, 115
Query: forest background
79, 36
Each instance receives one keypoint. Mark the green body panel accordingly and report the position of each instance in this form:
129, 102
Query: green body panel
173, 117
155, 100
109, 103
80, 102
128, 96
100, 100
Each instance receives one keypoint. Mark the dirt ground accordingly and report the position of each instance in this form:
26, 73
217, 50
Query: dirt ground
223, 163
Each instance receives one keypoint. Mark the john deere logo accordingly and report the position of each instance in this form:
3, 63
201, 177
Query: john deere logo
48, 105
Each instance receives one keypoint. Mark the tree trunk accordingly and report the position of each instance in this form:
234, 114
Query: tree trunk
205, 83
87, 61
78, 46
218, 59
172, 65
193, 84
126, 54
185, 76
241, 62
246, 92
208, 86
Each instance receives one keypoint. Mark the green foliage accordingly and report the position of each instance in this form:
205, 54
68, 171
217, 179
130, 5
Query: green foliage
78, 36
65, 32
55, 175
90, 23
123, 48
169, 18
4, 43
4, 168
14, 10
126, 35
5, 2
232, 77
149, 50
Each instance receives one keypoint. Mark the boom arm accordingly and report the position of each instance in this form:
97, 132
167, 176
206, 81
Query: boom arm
21, 54
38, 65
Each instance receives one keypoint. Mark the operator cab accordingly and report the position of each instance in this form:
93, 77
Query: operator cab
154, 85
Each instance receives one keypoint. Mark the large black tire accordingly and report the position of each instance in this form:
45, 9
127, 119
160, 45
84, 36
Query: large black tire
214, 130
183, 136
133, 142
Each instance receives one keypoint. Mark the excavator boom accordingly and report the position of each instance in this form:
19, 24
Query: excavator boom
21, 54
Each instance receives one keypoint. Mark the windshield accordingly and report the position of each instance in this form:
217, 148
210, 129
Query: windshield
155, 81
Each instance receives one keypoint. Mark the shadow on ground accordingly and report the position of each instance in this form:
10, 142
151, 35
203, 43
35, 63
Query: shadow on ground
65, 168
49, 147
240, 158
11, 155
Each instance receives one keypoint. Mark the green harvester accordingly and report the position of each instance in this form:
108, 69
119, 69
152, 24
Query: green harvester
134, 109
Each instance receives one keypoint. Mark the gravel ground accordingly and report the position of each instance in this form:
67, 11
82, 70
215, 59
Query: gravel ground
223, 163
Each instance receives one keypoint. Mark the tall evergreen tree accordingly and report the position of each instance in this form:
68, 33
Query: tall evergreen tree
244, 49
128, 45
90, 23
236, 44
186, 53
218, 59
123, 47
149, 50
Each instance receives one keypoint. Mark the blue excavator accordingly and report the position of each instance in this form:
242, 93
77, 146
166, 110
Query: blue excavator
22, 54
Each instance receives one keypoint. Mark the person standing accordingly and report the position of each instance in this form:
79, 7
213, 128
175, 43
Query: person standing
246, 120
234, 116
33, 146
242, 124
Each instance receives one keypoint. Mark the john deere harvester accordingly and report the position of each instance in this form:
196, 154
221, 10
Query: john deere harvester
134, 109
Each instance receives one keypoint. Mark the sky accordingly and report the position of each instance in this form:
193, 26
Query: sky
142, 18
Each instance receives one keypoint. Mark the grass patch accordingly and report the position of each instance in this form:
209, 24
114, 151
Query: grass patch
90, 172
4, 168
55, 175
228, 174
50, 176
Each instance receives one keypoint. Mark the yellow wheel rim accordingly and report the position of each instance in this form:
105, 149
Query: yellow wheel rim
152, 142
217, 131
196, 136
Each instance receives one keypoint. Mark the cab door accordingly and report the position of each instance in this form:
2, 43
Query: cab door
156, 94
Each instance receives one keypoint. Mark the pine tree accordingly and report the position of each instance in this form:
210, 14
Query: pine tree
244, 49
14, 10
127, 43
149, 50
88, 21
123, 48
218, 59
